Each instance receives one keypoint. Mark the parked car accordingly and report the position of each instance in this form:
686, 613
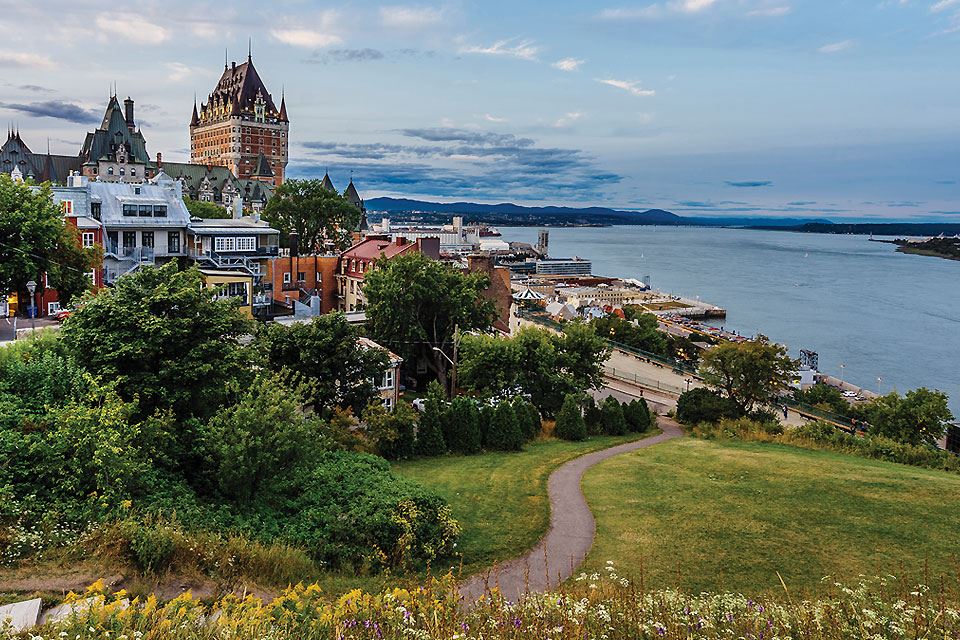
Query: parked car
62, 315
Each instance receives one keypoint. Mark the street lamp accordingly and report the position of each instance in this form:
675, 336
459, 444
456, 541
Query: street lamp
688, 381
879, 382
842, 367
31, 287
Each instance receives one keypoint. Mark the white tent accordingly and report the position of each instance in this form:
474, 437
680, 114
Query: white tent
528, 294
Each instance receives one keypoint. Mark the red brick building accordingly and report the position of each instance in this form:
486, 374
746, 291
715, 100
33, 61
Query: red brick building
361, 258
290, 276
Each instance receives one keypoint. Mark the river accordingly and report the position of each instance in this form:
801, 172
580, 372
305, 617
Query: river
882, 314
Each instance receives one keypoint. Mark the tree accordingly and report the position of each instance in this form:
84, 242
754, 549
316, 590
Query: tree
614, 424
530, 422
700, 405
415, 303
463, 420
201, 209
824, 396
70, 265
638, 416
314, 213
164, 339
750, 373
570, 424
919, 417
640, 332
393, 432
592, 416
328, 355
430, 441
261, 440
505, 432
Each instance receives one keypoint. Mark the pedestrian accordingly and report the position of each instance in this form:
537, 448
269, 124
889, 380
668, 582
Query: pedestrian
785, 412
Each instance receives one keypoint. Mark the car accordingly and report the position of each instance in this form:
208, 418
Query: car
420, 405
62, 315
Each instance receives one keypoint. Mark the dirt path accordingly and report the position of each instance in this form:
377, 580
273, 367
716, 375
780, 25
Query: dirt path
571, 533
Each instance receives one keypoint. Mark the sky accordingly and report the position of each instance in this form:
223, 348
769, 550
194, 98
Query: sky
839, 109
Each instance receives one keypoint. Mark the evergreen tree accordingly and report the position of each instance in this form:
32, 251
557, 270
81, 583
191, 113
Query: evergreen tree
505, 433
614, 423
463, 419
570, 423
637, 415
592, 416
529, 417
487, 412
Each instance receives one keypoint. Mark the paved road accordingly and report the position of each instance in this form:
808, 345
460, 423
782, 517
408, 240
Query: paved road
6, 330
572, 529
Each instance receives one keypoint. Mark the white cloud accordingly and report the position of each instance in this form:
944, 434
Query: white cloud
20, 59
490, 118
630, 86
567, 64
310, 34
568, 119
692, 6
641, 13
837, 47
180, 72
523, 49
943, 5
131, 26
402, 17
770, 12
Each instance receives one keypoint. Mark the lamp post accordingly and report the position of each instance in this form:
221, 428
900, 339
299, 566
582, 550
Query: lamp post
842, 367
31, 287
879, 382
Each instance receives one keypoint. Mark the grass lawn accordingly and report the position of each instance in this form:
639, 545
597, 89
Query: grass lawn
703, 515
500, 499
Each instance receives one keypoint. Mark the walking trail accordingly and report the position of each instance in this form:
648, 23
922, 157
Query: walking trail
571, 533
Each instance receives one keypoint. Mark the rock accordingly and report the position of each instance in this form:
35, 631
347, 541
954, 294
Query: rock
20, 615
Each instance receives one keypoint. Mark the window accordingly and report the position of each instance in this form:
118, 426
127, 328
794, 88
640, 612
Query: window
52, 308
109, 171
319, 280
386, 381
95, 208
159, 211
93, 276
286, 277
87, 239
146, 238
66, 207
133, 172
173, 242
123, 171
301, 276
129, 239
223, 244
145, 210
129, 210
388, 403
237, 290
246, 243
136, 190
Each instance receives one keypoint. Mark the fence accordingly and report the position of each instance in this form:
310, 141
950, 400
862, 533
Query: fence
643, 381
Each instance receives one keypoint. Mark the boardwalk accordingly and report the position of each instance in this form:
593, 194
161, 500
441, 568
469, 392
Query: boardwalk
572, 528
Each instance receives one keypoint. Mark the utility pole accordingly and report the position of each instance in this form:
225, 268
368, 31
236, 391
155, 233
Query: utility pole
456, 351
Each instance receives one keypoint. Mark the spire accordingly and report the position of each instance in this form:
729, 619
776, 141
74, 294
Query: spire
249, 49
327, 183
224, 58
283, 106
194, 119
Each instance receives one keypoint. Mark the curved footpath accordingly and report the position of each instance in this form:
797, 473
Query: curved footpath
571, 533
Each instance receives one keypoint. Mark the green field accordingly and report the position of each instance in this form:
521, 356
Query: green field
500, 499
704, 515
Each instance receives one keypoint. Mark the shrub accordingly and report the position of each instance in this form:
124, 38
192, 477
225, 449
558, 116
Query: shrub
570, 423
614, 423
505, 433
430, 440
487, 412
529, 417
638, 416
464, 426
704, 405
393, 432
592, 416
152, 547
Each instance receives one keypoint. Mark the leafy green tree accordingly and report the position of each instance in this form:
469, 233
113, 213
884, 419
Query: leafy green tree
327, 353
262, 440
642, 333
201, 209
750, 373
592, 416
700, 405
824, 396
919, 417
415, 304
614, 424
570, 424
487, 412
638, 416
505, 432
430, 441
163, 339
316, 215
393, 432
530, 421
463, 419
70, 265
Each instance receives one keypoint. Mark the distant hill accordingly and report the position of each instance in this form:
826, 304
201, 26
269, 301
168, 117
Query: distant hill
867, 228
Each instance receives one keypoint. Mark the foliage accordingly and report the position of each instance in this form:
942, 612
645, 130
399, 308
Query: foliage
601, 605
393, 432
463, 420
614, 423
415, 304
824, 396
505, 432
430, 440
201, 209
327, 354
700, 405
919, 417
544, 365
592, 416
318, 216
749, 373
163, 339
152, 547
570, 424
70, 265
529, 418
638, 416
261, 441
640, 332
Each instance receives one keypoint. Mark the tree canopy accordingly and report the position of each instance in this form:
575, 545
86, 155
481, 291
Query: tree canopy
201, 209
919, 417
314, 213
750, 373
643, 333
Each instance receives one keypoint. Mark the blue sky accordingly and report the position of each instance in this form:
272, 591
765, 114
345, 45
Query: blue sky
807, 108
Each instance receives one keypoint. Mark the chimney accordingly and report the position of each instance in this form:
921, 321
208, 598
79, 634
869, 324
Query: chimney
401, 241
128, 113
294, 245
233, 65
159, 160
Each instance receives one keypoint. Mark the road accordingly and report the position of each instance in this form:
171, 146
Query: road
7, 331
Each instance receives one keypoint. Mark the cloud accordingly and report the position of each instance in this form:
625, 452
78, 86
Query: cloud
178, 72
801, 203
837, 47
35, 88
310, 36
132, 27
335, 56
748, 184
770, 12
656, 10
568, 119
692, 6
21, 59
567, 64
943, 5
55, 109
512, 48
490, 118
469, 136
403, 17
630, 86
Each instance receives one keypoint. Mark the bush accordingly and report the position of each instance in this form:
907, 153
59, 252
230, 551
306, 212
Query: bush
704, 405
638, 416
505, 433
570, 423
463, 419
529, 417
430, 440
394, 433
487, 413
151, 547
592, 416
614, 424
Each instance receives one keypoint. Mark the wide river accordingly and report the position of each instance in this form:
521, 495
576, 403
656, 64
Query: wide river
880, 313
